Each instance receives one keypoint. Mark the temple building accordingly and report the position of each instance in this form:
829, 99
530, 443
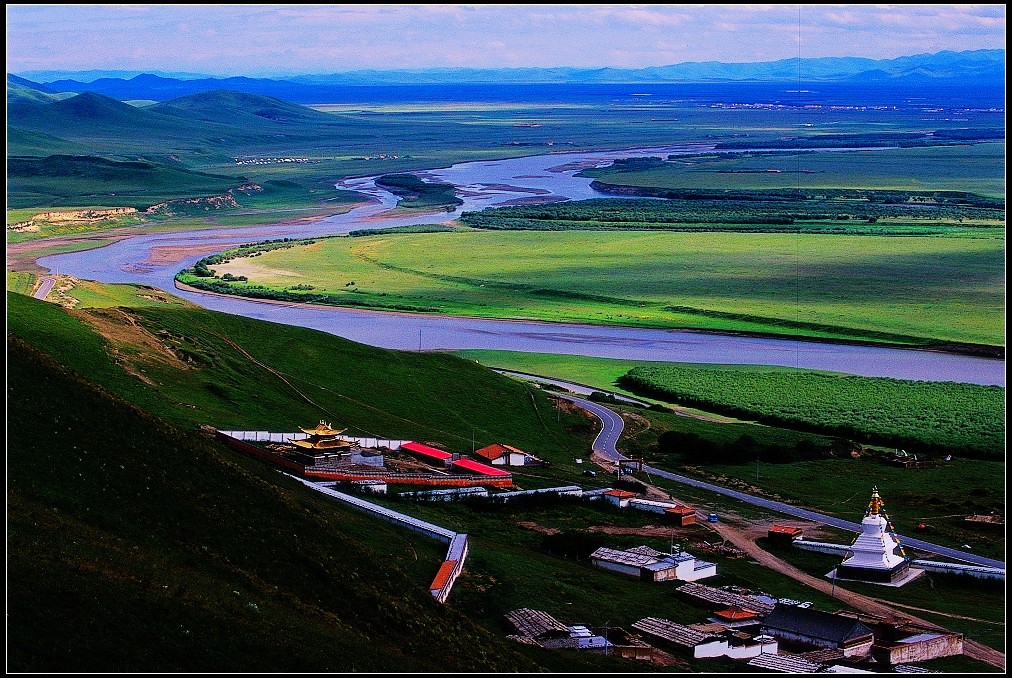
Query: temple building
321, 442
876, 555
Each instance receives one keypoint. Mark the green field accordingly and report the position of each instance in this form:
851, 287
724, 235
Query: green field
903, 290
977, 168
937, 417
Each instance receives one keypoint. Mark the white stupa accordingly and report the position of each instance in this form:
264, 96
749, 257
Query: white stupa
876, 555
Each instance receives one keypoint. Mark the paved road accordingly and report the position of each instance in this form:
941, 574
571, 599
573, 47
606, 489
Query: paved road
44, 288
605, 445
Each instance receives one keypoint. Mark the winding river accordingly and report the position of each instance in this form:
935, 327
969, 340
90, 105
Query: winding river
154, 260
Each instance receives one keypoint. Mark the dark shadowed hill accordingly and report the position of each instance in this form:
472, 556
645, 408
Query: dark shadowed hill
135, 546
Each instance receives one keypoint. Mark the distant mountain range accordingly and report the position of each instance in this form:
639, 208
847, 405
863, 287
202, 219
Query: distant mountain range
970, 68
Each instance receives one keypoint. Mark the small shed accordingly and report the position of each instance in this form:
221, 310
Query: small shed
736, 615
784, 534
680, 515
619, 498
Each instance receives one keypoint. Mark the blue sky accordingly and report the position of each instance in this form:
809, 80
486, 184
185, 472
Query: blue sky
291, 39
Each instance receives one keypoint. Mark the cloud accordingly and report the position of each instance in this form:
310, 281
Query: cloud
311, 38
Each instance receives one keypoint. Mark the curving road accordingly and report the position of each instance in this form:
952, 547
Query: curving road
44, 288
611, 431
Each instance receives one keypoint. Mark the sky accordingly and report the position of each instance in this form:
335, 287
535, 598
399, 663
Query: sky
268, 40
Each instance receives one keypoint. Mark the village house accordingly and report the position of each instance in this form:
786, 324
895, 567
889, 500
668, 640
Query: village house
701, 644
808, 627
651, 565
498, 454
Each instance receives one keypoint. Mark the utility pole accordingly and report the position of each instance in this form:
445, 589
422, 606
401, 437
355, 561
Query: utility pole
419, 339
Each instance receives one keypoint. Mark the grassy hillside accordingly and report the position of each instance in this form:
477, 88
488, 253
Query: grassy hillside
133, 546
193, 366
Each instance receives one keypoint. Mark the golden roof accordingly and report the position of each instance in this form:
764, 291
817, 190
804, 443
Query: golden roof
327, 444
322, 429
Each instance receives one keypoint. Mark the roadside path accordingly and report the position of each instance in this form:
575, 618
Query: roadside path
611, 431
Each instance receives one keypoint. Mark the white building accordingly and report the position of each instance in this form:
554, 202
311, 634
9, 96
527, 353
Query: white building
651, 565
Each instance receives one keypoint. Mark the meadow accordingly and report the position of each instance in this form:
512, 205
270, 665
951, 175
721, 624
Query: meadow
915, 290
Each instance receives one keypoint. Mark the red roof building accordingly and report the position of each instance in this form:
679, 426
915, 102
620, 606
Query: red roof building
471, 466
426, 453
505, 455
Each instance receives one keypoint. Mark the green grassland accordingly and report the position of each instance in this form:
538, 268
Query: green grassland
90, 294
899, 290
207, 132
976, 168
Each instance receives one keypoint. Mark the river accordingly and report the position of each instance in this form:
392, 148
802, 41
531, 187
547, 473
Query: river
154, 260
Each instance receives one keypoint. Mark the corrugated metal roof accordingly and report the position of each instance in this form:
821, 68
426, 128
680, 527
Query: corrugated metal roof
623, 557
815, 624
784, 663
907, 668
721, 597
425, 450
536, 624
672, 632
475, 467
443, 575
646, 551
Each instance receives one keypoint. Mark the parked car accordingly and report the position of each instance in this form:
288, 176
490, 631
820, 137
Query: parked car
590, 474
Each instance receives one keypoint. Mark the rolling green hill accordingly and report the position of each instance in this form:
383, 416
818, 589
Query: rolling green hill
239, 108
70, 180
93, 116
24, 143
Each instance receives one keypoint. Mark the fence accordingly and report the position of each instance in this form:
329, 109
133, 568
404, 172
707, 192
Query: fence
457, 543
